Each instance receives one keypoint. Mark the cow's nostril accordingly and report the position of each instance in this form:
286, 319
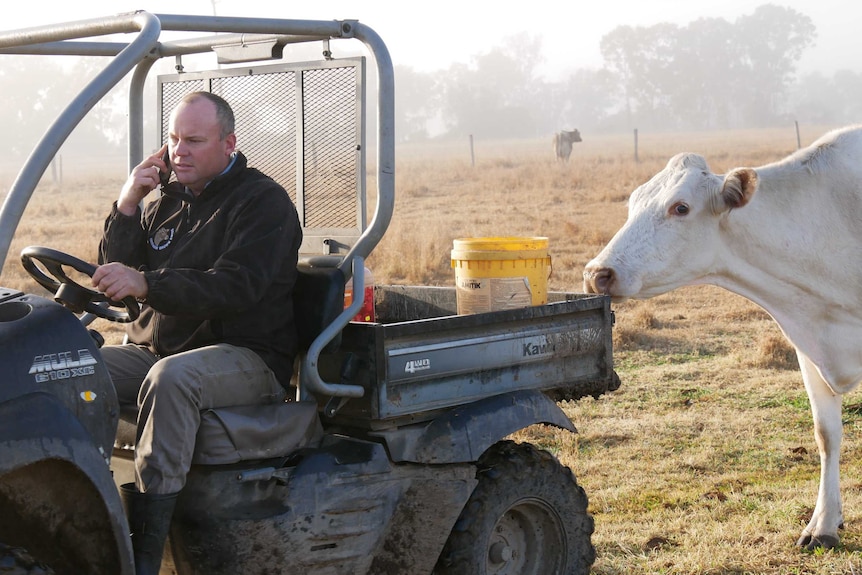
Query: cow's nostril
598, 280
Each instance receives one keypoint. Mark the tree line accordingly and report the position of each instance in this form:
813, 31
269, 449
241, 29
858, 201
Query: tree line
708, 74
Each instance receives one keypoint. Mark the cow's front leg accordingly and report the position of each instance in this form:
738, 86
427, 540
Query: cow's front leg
822, 530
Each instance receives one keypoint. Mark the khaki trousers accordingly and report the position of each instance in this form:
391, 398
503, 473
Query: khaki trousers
170, 393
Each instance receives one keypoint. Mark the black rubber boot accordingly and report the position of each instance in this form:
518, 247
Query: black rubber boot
149, 516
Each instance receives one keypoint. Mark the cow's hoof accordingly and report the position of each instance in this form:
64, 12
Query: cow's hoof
821, 542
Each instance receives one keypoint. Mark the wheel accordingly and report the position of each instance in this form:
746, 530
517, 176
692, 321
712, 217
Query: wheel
69, 292
527, 516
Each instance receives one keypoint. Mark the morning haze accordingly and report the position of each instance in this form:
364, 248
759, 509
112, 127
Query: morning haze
708, 73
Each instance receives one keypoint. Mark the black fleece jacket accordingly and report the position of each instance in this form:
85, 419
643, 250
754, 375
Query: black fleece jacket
220, 268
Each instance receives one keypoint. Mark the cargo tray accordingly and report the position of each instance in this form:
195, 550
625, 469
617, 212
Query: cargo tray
420, 358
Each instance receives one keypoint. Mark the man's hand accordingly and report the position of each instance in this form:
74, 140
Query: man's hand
118, 281
143, 180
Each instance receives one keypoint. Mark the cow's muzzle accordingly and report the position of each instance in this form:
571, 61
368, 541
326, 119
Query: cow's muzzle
598, 280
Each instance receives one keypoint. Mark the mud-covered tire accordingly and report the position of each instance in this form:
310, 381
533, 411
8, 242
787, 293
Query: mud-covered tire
16, 561
526, 516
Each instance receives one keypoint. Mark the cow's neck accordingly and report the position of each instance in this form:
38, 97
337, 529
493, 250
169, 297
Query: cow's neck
781, 253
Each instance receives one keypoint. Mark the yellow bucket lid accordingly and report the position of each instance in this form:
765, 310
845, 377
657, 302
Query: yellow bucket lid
502, 243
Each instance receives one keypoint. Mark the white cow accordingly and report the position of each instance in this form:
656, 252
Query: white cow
787, 236
563, 143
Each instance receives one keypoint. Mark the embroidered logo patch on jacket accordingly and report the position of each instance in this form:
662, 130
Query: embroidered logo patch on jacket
161, 239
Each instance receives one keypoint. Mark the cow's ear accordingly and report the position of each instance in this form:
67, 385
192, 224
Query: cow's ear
738, 187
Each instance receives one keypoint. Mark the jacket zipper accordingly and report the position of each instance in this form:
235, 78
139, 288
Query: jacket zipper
186, 217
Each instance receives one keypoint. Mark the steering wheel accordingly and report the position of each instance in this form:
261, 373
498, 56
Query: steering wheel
70, 293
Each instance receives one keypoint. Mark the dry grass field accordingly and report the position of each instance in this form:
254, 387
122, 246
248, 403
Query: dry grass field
704, 461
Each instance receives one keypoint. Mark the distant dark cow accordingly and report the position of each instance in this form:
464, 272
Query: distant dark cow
563, 143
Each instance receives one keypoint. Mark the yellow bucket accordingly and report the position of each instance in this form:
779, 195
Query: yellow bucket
498, 273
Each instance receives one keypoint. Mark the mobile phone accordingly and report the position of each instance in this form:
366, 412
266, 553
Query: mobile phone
173, 189
165, 177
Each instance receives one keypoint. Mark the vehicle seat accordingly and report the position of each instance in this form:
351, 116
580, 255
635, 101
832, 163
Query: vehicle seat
240, 433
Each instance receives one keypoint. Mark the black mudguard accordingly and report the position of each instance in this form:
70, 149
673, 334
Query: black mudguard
44, 348
57, 497
464, 433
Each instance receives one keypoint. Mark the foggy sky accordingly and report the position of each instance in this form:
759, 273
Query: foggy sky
448, 31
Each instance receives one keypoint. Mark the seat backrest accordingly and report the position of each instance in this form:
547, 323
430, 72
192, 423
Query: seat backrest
318, 299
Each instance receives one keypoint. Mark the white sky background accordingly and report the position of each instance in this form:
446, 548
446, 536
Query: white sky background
432, 35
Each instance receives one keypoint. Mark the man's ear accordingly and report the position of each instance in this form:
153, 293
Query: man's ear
230, 144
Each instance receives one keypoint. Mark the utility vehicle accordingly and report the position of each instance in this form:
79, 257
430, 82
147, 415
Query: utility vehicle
393, 458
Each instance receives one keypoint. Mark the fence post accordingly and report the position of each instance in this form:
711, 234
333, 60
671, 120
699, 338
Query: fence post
636, 146
472, 156
798, 141
57, 170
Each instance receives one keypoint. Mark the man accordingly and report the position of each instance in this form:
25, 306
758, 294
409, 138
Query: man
214, 262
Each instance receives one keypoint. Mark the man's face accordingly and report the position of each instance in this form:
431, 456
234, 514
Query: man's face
197, 153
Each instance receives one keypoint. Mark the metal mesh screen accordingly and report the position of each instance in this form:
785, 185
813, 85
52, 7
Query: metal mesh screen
265, 110
301, 125
330, 150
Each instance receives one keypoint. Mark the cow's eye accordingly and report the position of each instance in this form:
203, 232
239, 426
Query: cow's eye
679, 209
